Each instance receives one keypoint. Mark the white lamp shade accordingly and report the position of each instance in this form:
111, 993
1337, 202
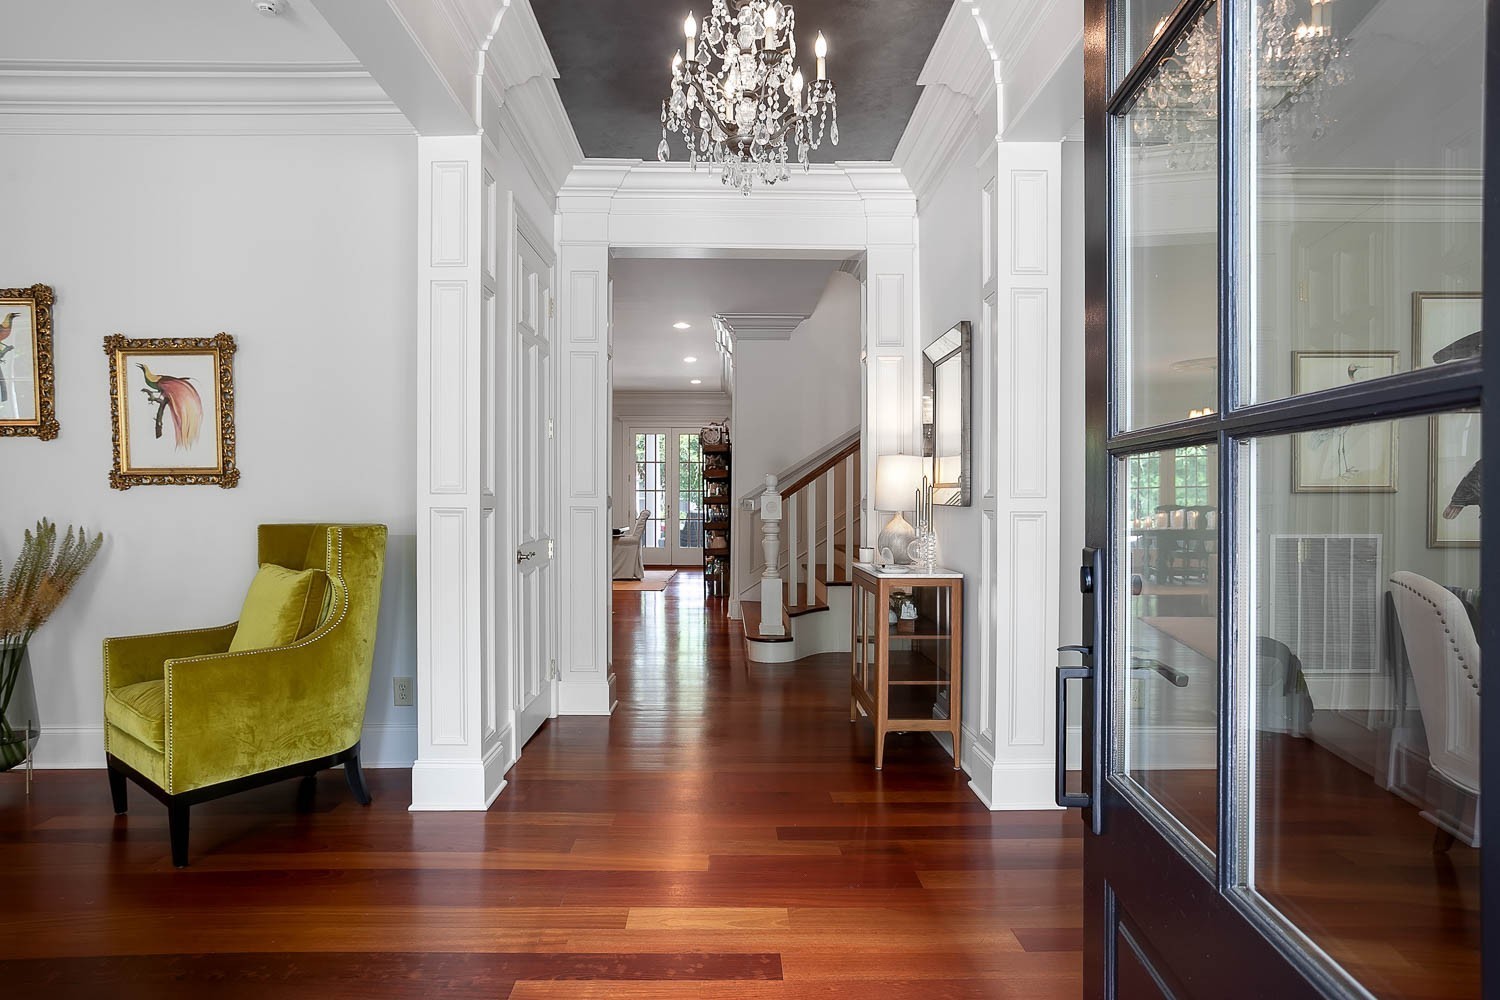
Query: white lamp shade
897, 479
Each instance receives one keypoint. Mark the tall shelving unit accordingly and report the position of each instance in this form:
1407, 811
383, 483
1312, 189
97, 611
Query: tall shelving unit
717, 506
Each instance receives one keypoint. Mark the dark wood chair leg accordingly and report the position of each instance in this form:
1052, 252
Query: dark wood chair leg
117, 790
177, 826
307, 793
356, 778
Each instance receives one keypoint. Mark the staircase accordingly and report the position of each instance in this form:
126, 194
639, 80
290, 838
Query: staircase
808, 532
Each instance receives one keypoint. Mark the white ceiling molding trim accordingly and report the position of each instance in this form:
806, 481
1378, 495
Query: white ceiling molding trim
762, 326
179, 98
661, 208
516, 92
1021, 57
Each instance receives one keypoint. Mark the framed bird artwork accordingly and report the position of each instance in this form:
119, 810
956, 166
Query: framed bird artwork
172, 404
26, 370
1356, 459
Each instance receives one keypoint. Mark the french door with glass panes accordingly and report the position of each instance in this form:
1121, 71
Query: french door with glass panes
1286, 250
667, 481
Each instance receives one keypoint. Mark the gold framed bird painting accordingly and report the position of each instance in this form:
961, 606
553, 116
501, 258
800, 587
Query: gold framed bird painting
26, 369
172, 404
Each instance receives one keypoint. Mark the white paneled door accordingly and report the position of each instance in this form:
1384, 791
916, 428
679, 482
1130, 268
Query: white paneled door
536, 587
667, 480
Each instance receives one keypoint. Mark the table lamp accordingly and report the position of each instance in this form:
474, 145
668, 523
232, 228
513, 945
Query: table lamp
897, 479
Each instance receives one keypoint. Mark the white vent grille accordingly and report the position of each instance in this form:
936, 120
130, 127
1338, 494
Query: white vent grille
1325, 600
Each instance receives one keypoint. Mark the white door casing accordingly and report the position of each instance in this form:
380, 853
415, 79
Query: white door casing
533, 323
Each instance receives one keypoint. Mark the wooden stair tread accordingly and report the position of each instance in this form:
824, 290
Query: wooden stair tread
797, 610
751, 612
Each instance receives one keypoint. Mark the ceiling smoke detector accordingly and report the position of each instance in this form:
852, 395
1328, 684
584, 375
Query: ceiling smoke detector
270, 8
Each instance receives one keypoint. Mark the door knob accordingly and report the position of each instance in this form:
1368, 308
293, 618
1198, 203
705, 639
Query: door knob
522, 555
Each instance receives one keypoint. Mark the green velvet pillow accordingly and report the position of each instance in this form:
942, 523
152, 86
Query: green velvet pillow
283, 605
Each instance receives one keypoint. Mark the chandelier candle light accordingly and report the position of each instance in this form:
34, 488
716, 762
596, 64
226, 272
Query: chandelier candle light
738, 99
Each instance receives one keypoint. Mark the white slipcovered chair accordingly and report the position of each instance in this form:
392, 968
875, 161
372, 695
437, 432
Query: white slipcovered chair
1444, 656
626, 560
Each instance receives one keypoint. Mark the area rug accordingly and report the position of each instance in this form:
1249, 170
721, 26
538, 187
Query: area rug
656, 579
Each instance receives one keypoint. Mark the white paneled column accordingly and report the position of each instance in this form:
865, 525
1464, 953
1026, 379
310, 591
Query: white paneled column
892, 384
586, 682
1010, 757
460, 756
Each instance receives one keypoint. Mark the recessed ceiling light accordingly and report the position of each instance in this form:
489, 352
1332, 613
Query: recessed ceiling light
689, 359
696, 381
679, 325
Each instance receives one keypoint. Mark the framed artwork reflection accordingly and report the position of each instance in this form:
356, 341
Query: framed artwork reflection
26, 370
1445, 326
171, 401
1454, 471
1360, 458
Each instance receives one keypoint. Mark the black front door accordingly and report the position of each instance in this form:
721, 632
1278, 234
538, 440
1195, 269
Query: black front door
1287, 235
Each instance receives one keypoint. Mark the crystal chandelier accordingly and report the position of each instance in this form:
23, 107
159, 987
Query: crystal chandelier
738, 100
1297, 64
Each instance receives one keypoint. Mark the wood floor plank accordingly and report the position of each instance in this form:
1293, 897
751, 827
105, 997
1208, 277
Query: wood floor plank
707, 918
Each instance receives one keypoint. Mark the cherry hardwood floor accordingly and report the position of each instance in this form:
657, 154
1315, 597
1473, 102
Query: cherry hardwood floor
723, 835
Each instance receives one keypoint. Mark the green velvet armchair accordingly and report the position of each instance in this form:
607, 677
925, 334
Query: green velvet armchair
189, 721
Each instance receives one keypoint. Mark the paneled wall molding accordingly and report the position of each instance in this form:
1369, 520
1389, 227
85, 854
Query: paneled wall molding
194, 98
1008, 754
462, 749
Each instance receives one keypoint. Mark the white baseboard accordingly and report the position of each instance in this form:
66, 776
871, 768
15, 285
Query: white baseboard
586, 697
757, 651
1004, 785
460, 785
64, 748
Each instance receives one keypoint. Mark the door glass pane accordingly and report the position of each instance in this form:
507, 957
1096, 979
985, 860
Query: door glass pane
1167, 699
689, 491
1138, 24
1363, 624
1364, 159
1166, 316
651, 486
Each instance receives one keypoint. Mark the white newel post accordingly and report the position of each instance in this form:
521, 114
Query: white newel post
772, 609
460, 762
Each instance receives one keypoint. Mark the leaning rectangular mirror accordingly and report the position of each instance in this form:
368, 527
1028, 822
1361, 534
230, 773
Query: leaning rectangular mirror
945, 415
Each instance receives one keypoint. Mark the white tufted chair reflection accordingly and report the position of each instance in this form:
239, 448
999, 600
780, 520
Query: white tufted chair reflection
1444, 655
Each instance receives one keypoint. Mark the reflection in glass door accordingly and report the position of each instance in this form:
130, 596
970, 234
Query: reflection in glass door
1287, 258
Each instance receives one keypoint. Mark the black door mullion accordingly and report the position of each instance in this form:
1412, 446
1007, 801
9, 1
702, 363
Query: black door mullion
1489, 708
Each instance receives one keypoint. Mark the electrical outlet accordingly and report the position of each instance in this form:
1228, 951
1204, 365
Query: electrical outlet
403, 691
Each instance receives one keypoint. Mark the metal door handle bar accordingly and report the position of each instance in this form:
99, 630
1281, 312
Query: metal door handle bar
1066, 799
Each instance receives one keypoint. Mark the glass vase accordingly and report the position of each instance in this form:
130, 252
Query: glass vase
19, 726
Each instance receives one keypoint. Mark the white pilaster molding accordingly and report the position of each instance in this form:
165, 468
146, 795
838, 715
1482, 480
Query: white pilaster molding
460, 760
586, 684
1012, 755
892, 378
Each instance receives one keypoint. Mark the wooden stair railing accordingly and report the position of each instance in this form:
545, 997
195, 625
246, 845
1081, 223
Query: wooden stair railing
820, 538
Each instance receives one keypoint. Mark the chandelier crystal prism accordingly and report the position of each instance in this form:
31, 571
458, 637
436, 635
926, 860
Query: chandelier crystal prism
738, 100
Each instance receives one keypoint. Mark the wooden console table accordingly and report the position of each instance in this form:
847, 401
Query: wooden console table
901, 690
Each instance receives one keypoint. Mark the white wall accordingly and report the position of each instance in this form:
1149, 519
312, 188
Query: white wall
794, 397
301, 248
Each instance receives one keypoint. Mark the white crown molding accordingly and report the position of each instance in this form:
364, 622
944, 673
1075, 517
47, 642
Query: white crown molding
762, 326
170, 97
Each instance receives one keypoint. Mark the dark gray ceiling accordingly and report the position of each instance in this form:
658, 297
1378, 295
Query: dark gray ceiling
614, 61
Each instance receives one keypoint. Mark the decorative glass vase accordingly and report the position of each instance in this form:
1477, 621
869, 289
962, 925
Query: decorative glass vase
19, 726
923, 550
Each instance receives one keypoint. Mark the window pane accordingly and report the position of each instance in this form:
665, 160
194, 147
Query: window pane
689, 491
1140, 21
1365, 170
1364, 624
1167, 313
1168, 675
650, 486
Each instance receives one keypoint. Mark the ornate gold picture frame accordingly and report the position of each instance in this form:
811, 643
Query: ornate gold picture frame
27, 373
171, 401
